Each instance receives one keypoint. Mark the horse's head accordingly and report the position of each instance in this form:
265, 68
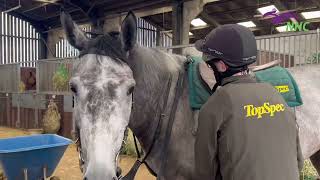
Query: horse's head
102, 83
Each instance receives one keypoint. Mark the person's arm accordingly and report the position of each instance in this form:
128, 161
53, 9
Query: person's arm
210, 118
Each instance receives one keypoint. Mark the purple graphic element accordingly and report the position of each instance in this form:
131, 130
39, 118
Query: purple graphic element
271, 13
280, 18
284, 17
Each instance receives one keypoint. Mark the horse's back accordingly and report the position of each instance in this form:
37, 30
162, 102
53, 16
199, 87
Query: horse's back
308, 119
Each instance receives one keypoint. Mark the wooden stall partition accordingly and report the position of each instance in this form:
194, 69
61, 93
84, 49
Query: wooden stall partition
46, 72
4, 108
9, 77
67, 123
265, 57
27, 110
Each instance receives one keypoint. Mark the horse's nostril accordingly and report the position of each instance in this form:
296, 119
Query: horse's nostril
85, 178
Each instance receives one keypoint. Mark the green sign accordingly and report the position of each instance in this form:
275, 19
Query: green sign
297, 26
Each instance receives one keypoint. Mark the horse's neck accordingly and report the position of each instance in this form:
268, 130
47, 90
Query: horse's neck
153, 137
152, 101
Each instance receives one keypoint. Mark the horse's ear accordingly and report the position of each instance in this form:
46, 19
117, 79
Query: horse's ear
129, 31
75, 35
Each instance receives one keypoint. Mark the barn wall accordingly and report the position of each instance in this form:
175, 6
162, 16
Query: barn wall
9, 77
112, 23
54, 36
46, 71
26, 110
29, 110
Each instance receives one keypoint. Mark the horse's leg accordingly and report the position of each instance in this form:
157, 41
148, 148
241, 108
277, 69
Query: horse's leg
315, 159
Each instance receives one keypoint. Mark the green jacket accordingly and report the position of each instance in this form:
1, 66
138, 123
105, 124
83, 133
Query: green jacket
247, 132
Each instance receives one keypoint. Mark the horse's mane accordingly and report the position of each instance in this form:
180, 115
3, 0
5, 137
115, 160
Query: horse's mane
108, 45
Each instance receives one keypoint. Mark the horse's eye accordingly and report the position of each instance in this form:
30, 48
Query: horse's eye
130, 91
73, 88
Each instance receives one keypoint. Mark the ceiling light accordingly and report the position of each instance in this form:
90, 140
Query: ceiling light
311, 14
248, 24
266, 9
190, 34
198, 22
281, 28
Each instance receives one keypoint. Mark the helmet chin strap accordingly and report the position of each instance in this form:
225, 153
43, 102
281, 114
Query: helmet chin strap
221, 75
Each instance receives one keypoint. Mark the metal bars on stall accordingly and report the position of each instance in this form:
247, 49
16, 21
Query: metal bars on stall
19, 41
64, 49
292, 49
147, 33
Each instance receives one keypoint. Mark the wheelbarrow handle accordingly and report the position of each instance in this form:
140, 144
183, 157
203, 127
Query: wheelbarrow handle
44, 173
25, 174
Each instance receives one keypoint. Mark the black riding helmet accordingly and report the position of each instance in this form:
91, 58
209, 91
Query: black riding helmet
234, 44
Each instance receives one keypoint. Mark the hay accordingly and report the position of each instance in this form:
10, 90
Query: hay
128, 147
51, 119
22, 87
61, 79
308, 172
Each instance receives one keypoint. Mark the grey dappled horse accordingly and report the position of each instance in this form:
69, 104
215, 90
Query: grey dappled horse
102, 84
102, 110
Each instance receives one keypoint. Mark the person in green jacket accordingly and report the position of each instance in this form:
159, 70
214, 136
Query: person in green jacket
246, 130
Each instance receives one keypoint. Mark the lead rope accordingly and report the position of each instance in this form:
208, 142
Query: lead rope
136, 146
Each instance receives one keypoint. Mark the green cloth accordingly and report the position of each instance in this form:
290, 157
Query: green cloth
282, 80
199, 91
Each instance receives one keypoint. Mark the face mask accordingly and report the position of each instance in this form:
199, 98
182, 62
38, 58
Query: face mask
221, 75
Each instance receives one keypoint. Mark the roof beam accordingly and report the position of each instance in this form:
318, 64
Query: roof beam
119, 8
35, 7
206, 17
248, 8
90, 11
316, 2
36, 24
56, 15
280, 5
85, 6
132, 6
